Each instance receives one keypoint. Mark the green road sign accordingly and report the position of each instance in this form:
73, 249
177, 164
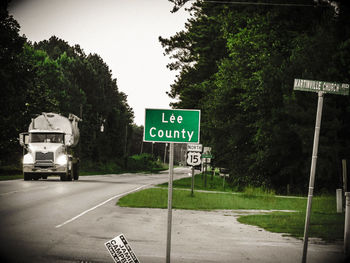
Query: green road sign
206, 155
179, 126
326, 87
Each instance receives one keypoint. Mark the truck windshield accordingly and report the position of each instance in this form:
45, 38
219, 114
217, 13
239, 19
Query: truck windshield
47, 137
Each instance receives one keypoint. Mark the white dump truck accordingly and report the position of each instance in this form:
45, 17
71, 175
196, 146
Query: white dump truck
47, 147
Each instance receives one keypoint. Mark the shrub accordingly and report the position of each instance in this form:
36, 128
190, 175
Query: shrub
144, 162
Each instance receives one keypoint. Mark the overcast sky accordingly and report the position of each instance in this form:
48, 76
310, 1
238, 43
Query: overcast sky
123, 32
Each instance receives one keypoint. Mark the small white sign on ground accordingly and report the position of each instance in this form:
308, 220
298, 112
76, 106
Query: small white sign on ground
120, 250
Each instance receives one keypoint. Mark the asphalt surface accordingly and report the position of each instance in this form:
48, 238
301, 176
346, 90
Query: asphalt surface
54, 221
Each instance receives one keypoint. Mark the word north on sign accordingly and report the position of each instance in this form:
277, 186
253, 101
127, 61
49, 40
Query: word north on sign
192, 147
178, 126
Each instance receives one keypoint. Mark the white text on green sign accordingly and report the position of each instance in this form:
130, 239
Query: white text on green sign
172, 126
326, 87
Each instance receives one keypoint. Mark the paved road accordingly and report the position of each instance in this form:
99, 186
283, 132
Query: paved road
54, 221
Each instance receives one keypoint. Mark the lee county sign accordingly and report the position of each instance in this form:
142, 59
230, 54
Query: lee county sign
326, 87
179, 126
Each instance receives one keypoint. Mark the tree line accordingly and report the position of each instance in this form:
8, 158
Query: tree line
237, 63
53, 76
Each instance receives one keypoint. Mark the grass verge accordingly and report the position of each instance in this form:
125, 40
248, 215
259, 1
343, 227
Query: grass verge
325, 222
182, 199
213, 183
327, 226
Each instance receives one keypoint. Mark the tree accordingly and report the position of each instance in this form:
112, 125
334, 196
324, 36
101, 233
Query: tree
12, 82
90, 87
53, 76
237, 64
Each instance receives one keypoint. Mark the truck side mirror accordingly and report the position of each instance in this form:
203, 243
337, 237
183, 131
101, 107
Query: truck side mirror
24, 138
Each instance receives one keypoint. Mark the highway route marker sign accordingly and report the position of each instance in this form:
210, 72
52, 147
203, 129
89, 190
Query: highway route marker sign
178, 126
193, 158
120, 250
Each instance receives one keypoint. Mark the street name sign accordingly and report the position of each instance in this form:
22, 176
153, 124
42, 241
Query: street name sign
192, 147
173, 126
120, 250
326, 87
321, 87
207, 153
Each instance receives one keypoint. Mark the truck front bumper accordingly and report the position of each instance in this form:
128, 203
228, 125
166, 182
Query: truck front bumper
56, 169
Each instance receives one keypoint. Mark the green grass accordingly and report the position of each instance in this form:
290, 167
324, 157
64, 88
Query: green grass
10, 172
214, 183
182, 199
11, 177
325, 222
327, 226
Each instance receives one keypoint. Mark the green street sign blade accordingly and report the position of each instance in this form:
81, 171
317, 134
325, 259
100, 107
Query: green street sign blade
326, 87
177, 126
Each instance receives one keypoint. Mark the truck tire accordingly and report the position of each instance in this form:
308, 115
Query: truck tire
69, 176
75, 171
27, 177
69, 172
66, 177
63, 177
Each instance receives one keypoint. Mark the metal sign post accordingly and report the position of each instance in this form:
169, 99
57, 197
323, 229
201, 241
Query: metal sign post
193, 159
170, 201
192, 182
312, 173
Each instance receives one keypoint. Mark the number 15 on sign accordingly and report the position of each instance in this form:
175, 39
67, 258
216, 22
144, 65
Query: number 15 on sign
193, 158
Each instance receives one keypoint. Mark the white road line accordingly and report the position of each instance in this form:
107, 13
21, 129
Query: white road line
100, 204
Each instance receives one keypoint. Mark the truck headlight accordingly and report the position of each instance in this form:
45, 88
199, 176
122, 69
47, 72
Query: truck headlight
62, 160
28, 159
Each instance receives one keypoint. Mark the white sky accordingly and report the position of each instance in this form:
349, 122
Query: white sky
123, 32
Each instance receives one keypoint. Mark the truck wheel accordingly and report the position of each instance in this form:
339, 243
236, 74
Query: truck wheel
69, 172
27, 177
69, 176
63, 177
75, 171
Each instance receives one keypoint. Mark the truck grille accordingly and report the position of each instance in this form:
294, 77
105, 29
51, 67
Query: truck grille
43, 160
40, 156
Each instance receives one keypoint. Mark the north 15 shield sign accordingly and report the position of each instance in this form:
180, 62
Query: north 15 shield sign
179, 126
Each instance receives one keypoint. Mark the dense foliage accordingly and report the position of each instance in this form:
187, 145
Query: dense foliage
237, 63
52, 76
